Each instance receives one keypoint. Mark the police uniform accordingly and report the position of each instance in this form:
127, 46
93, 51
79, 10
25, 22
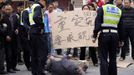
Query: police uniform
24, 40
108, 23
39, 54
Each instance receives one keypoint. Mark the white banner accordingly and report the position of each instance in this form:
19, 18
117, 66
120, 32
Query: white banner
72, 29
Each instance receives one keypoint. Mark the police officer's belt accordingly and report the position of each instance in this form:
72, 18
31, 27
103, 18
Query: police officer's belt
109, 31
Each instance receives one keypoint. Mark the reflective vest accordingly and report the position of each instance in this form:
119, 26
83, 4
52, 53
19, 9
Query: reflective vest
27, 9
111, 15
31, 14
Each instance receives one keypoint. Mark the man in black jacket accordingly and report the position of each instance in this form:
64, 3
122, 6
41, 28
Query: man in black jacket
10, 39
128, 24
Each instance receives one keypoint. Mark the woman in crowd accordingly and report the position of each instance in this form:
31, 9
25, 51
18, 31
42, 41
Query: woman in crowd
92, 50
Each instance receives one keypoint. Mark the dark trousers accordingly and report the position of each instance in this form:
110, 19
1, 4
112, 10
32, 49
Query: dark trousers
11, 53
129, 34
108, 44
92, 54
125, 49
48, 40
19, 50
2, 54
26, 48
75, 52
39, 54
82, 53
59, 51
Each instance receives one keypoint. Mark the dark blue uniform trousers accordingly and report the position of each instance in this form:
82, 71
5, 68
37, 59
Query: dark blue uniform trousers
108, 43
38, 54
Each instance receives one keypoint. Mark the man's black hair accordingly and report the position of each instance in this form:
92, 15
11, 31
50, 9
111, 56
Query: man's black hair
2, 4
111, 1
5, 4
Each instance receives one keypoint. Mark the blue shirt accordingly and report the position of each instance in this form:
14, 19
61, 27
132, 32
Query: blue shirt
46, 24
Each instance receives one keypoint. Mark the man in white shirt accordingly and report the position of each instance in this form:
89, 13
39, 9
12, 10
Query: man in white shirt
56, 4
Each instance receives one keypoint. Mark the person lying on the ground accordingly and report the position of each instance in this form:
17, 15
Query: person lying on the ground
63, 66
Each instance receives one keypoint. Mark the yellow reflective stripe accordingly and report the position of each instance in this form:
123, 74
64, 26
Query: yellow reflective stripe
111, 18
112, 21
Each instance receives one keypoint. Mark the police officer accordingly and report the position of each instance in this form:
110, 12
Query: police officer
39, 54
128, 18
108, 22
24, 35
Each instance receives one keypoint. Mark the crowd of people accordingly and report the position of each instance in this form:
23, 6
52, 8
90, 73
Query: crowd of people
27, 32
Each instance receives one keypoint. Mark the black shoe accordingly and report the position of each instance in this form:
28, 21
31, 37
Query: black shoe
11, 71
43, 73
15, 69
29, 69
3, 72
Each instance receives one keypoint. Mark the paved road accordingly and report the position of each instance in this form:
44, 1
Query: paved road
91, 71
